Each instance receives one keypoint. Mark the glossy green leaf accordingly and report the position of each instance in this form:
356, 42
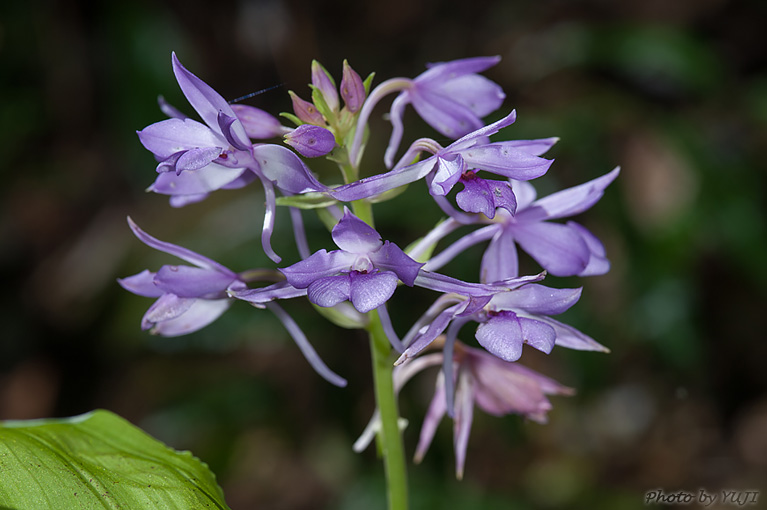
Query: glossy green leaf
95, 461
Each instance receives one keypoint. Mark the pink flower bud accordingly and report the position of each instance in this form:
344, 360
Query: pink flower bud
322, 80
352, 89
306, 111
311, 141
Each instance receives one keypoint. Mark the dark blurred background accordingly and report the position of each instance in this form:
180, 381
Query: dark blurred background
673, 91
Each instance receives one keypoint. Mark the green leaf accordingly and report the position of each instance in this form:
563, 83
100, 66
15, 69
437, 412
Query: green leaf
311, 200
95, 461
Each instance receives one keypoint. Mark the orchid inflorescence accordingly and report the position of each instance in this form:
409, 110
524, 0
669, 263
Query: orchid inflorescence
353, 283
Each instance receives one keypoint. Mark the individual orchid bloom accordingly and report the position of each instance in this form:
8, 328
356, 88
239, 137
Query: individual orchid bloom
191, 297
561, 249
450, 96
365, 270
495, 386
507, 321
183, 144
446, 166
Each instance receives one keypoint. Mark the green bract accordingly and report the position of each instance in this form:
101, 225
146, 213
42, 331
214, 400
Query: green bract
98, 460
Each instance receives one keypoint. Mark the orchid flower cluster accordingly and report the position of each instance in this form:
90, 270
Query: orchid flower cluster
496, 204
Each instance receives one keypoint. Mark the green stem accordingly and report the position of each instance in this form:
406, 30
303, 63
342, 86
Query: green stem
390, 437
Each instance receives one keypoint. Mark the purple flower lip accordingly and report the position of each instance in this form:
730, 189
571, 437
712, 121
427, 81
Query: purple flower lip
365, 270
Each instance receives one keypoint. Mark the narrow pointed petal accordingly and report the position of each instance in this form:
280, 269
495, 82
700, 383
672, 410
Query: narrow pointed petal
598, 262
369, 291
537, 299
141, 284
441, 71
258, 124
577, 199
168, 109
353, 235
319, 265
507, 161
281, 166
448, 117
431, 332
568, 336
167, 137
500, 260
187, 281
377, 184
477, 93
558, 248
200, 314
177, 251
434, 414
463, 419
260, 296
199, 182
391, 258
329, 291
307, 350
481, 134
397, 127
206, 101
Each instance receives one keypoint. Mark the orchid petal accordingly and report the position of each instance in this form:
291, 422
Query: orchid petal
558, 248
167, 307
195, 159
319, 265
537, 299
391, 258
369, 291
506, 160
500, 260
191, 282
199, 182
167, 137
598, 262
206, 101
201, 313
141, 284
177, 251
281, 166
434, 414
463, 419
577, 199
353, 235
329, 291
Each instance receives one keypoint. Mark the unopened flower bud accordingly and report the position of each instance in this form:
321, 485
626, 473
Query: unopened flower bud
352, 89
311, 141
306, 111
258, 123
322, 80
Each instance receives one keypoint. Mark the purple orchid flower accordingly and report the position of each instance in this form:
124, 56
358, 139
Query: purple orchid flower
507, 321
495, 386
561, 249
511, 159
209, 153
365, 270
191, 297
196, 159
450, 96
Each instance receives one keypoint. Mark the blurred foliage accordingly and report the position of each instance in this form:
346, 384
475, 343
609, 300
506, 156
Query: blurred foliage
674, 92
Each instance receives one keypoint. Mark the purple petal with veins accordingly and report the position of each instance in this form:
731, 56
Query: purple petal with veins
369, 291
